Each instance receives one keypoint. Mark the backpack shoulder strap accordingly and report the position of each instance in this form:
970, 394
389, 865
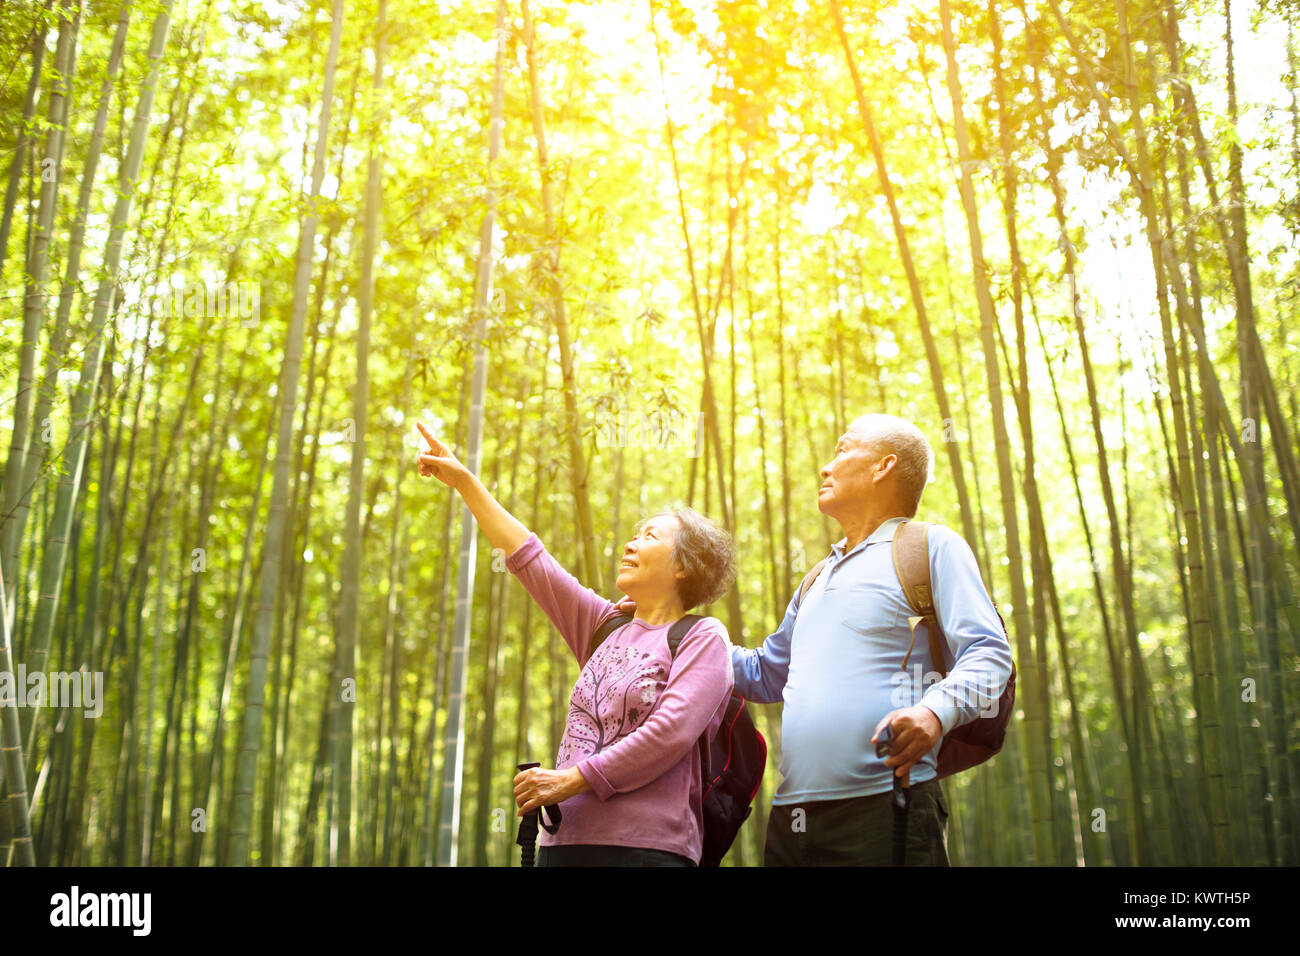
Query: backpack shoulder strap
911, 550
680, 629
811, 576
606, 628
676, 633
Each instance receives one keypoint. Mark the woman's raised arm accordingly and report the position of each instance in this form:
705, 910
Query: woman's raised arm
573, 609
503, 529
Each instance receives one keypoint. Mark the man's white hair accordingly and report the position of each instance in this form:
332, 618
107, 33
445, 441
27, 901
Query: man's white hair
891, 434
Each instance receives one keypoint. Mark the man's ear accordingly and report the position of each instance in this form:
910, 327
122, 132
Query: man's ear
885, 466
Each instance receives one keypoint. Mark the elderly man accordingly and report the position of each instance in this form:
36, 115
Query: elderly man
835, 663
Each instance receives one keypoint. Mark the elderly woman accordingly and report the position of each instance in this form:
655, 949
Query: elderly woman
627, 777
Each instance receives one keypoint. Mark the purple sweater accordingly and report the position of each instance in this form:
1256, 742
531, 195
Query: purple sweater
635, 716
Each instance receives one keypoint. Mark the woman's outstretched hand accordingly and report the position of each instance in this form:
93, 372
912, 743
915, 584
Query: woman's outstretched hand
439, 462
501, 527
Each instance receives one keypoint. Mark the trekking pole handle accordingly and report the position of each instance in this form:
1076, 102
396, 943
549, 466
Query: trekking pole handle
884, 747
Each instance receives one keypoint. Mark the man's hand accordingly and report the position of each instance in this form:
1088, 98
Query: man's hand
916, 731
625, 606
543, 788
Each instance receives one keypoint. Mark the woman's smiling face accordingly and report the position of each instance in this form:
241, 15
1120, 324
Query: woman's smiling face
647, 569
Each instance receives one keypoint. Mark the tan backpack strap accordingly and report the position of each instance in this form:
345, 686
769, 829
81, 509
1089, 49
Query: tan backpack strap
810, 577
911, 550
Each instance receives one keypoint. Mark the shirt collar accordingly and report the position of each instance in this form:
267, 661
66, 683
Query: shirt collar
884, 533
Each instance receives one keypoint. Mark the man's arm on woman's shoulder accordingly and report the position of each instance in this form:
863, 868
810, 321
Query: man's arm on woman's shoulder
760, 672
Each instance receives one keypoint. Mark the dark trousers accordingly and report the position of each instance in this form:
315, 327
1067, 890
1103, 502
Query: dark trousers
585, 854
858, 831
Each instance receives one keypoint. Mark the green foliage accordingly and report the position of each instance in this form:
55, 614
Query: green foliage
794, 290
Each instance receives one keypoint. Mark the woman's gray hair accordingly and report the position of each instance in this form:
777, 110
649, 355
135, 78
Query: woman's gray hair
706, 553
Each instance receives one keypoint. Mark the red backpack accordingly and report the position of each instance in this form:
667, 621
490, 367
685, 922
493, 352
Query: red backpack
970, 744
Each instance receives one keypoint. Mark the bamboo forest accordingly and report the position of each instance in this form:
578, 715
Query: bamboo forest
623, 256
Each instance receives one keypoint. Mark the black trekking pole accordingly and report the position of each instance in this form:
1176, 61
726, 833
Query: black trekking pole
900, 798
527, 836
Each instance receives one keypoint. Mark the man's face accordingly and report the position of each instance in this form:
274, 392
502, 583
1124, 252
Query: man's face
847, 484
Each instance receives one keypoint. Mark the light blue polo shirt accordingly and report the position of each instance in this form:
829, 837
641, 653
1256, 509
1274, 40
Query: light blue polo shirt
835, 663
